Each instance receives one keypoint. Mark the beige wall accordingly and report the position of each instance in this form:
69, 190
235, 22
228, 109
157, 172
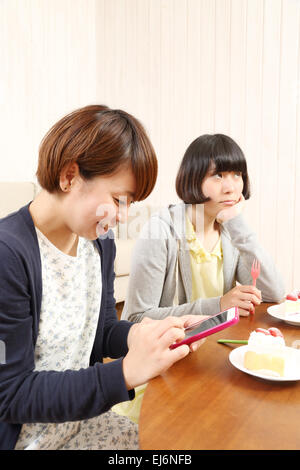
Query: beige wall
184, 67
47, 68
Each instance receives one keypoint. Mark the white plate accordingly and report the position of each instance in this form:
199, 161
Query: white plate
277, 311
236, 357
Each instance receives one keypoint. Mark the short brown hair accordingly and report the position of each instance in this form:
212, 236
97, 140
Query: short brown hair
210, 151
100, 140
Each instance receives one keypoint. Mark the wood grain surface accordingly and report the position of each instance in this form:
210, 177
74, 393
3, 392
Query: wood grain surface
203, 402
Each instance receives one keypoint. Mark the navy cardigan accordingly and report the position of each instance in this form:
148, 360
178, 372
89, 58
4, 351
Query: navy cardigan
28, 396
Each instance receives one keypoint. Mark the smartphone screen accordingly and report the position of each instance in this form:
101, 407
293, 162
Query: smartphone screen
209, 326
210, 323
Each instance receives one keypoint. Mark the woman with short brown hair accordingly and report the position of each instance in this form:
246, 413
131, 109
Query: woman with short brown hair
101, 141
57, 308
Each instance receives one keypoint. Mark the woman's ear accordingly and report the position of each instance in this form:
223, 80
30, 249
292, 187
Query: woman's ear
67, 176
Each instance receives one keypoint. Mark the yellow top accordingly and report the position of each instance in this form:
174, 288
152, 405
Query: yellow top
132, 408
207, 268
207, 281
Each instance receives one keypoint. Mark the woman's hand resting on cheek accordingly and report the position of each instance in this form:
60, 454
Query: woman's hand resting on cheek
149, 352
231, 212
243, 297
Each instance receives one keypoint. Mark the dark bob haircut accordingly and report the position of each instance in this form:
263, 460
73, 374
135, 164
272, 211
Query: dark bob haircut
216, 152
101, 141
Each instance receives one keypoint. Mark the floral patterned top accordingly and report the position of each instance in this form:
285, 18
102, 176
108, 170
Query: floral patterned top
68, 322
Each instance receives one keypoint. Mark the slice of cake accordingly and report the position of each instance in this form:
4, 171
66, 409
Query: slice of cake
292, 303
266, 352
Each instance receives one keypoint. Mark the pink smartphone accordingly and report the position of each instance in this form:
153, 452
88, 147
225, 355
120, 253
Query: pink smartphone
209, 326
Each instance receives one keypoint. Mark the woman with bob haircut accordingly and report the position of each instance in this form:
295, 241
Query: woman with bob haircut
197, 255
57, 308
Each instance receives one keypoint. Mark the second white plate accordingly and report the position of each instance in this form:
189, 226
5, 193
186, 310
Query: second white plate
236, 357
277, 311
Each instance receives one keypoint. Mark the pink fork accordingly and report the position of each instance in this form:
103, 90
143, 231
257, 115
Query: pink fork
255, 271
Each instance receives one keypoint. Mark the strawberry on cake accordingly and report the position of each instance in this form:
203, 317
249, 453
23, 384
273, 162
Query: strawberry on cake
266, 352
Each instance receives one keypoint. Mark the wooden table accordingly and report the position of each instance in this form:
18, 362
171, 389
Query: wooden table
203, 402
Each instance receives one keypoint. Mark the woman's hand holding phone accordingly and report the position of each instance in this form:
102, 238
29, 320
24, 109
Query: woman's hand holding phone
149, 347
149, 351
243, 297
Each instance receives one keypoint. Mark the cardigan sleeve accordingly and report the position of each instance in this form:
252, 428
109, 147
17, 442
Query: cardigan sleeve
28, 396
153, 262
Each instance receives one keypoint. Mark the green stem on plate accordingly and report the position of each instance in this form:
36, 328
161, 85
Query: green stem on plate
234, 341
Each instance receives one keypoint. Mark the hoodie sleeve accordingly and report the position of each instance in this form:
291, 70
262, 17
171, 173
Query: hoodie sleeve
151, 265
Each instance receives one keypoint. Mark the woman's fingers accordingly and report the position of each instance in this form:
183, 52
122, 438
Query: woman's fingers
250, 298
172, 335
243, 312
162, 326
242, 296
176, 354
194, 346
250, 290
191, 319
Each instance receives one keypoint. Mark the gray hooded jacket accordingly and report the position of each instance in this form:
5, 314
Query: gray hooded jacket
161, 270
